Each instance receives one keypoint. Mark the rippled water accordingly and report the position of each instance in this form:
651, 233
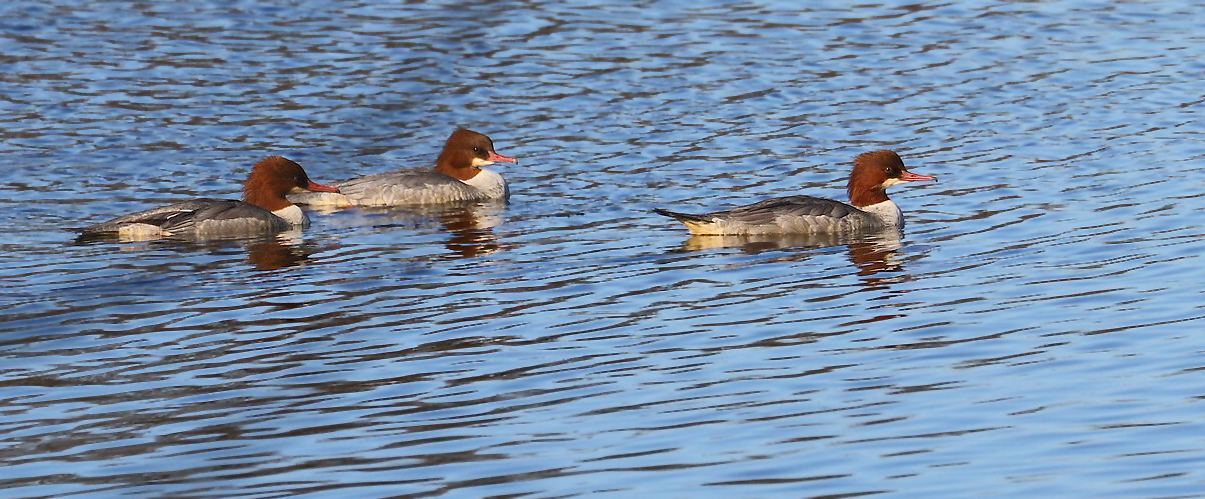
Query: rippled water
1032, 335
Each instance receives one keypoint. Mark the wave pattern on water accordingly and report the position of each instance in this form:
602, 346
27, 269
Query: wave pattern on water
1032, 334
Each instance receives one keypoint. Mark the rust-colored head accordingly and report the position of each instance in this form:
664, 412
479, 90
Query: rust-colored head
273, 177
465, 153
874, 172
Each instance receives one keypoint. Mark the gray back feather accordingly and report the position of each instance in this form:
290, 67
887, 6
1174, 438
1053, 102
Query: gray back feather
183, 217
408, 186
154, 216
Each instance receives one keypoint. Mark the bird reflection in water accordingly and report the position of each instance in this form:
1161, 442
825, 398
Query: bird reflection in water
278, 253
469, 225
871, 253
471, 230
264, 252
269, 252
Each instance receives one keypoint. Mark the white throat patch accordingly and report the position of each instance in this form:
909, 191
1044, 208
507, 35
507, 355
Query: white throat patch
887, 211
293, 214
491, 183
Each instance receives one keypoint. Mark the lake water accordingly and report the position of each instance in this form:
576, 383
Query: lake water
1033, 334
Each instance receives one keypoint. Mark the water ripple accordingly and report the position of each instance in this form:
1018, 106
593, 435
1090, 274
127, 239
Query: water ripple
1030, 334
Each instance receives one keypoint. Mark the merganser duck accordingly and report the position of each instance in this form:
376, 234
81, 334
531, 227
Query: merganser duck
457, 176
263, 209
872, 174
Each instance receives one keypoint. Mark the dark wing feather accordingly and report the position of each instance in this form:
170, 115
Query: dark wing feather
237, 216
765, 212
160, 216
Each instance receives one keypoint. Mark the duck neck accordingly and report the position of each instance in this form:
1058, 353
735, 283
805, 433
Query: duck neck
456, 164
865, 197
887, 211
259, 194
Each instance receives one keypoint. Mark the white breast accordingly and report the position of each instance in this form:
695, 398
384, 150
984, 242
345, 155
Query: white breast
491, 184
293, 215
888, 212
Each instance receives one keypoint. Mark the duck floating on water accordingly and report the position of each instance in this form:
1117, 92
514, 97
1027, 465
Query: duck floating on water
264, 209
869, 209
458, 176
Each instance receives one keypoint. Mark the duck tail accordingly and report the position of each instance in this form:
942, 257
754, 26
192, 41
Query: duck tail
681, 217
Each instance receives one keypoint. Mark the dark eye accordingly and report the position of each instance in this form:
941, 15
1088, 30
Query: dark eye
477, 150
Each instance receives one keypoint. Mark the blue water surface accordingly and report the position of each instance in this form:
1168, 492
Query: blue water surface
1032, 335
